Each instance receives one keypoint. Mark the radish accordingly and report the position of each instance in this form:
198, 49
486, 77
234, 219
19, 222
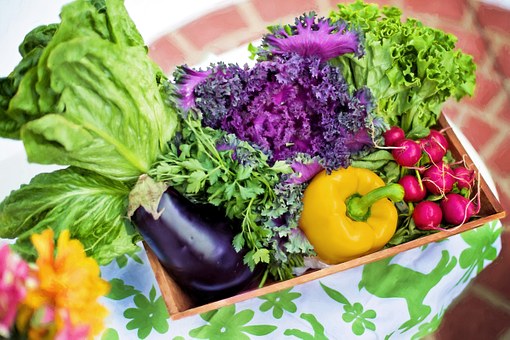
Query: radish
465, 177
427, 215
434, 145
439, 179
407, 152
457, 209
438, 138
414, 191
393, 135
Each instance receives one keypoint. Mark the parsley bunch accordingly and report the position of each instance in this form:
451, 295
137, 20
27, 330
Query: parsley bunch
212, 166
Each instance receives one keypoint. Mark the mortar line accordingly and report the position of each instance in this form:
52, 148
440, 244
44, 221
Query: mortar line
250, 14
184, 44
491, 53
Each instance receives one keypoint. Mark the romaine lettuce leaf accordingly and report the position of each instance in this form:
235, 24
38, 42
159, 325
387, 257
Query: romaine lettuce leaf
91, 206
115, 120
30, 49
85, 95
94, 100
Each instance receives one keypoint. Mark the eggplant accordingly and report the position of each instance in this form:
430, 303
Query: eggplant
193, 242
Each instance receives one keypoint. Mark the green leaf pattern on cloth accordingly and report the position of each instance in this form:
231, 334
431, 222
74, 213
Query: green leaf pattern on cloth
378, 279
123, 259
481, 250
119, 290
318, 329
354, 313
403, 297
225, 323
429, 327
279, 302
110, 334
150, 314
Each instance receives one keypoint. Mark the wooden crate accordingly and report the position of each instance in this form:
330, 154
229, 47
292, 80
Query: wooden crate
179, 305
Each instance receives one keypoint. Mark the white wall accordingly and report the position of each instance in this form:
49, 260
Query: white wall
152, 17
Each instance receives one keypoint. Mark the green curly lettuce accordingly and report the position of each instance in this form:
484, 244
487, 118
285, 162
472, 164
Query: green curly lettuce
410, 68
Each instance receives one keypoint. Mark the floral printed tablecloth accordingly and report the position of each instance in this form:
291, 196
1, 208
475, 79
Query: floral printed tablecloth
403, 297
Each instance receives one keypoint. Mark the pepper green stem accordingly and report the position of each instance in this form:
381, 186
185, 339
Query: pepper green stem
358, 207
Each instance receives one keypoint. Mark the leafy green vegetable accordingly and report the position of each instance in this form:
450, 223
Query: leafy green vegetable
410, 68
406, 230
94, 99
87, 95
91, 206
382, 163
30, 49
209, 165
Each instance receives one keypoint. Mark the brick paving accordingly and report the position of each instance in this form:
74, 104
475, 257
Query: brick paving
483, 30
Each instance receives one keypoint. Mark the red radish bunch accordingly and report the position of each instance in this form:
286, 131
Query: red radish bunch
393, 135
434, 146
434, 177
407, 152
427, 215
457, 209
439, 178
414, 191
465, 177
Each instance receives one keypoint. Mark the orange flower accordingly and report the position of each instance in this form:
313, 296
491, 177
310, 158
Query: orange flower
69, 283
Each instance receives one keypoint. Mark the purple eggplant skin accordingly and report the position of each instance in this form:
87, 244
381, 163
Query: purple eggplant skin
193, 242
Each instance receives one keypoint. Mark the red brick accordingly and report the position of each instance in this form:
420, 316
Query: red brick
451, 110
504, 112
478, 131
485, 90
493, 17
495, 277
271, 10
212, 26
473, 318
243, 41
504, 198
500, 161
451, 9
505, 202
503, 59
166, 53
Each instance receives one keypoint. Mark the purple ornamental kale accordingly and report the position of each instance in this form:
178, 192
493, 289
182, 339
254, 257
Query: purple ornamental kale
187, 79
289, 104
323, 38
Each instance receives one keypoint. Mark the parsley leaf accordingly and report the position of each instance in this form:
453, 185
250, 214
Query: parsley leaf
211, 166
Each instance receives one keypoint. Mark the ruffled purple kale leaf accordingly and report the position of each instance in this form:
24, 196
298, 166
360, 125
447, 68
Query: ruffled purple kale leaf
307, 37
286, 106
292, 103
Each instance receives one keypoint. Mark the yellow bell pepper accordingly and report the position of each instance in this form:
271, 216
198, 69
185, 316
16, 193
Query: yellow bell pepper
347, 213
